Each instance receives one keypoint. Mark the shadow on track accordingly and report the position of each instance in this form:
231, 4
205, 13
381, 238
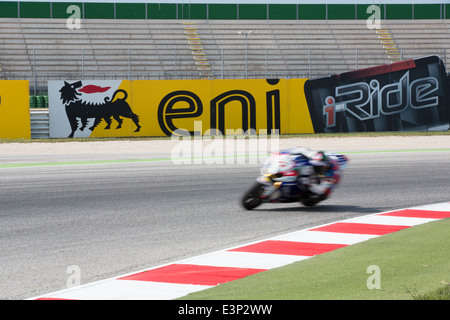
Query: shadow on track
322, 209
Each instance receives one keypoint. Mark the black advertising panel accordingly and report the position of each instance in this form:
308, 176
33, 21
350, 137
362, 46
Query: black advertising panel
411, 95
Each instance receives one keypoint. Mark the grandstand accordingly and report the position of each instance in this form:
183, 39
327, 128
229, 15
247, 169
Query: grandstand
156, 41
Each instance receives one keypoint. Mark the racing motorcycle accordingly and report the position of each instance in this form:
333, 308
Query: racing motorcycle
279, 177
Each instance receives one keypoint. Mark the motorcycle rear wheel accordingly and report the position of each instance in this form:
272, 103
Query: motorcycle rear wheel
251, 198
310, 202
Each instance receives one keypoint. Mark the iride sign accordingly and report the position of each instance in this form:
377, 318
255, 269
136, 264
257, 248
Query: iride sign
406, 95
368, 100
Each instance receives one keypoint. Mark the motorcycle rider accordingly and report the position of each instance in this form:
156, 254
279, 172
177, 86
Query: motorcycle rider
316, 179
325, 174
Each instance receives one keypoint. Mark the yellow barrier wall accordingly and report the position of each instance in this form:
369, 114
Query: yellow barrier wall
165, 106
14, 109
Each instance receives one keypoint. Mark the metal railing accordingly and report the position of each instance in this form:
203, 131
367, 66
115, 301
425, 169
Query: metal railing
225, 64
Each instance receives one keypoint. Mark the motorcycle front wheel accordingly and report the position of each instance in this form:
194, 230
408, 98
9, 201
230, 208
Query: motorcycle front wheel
251, 198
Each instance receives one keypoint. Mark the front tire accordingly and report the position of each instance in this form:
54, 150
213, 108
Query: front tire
251, 198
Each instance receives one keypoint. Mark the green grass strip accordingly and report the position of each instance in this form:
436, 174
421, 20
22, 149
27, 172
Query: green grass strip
75, 163
412, 263
218, 160
400, 150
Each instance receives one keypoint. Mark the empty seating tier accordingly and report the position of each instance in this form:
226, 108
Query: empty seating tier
46, 49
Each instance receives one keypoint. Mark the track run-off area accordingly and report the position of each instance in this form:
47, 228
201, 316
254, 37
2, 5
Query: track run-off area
80, 212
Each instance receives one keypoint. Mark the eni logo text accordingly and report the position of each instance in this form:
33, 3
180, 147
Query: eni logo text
168, 110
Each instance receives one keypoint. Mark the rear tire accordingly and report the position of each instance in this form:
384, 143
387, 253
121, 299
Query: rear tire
251, 198
310, 202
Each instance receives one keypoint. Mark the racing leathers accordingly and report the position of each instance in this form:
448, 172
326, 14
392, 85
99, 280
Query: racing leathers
320, 178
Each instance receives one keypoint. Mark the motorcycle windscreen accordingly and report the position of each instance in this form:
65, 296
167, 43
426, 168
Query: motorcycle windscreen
410, 95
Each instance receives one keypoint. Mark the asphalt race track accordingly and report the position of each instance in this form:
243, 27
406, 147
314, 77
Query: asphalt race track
111, 219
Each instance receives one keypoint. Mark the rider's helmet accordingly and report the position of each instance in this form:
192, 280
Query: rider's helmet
321, 163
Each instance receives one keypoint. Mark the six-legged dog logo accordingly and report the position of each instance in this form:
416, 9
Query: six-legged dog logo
78, 109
